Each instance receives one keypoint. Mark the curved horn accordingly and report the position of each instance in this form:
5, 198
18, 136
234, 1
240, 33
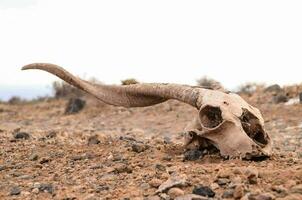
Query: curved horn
136, 95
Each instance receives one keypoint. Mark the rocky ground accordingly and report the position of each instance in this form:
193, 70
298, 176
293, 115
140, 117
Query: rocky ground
106, 152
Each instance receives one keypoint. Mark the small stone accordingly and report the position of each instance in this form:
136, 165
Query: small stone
214, 186
300, 97
174, 181
252, 175
33, 157
21, 135
123, 168
238, 192
74, 105
2, 167
93, 140
223, 181
264, 196
296, 189
224, 174
46, 187
228, 194
175, 192
36, 190
160, 167
15, 191
192, 155
203, 191
45, 160
155, 182
52, 134
153, 198
138, 147
191, 197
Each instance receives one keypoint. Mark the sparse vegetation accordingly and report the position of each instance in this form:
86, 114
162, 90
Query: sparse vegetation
15, 100
209, 83
250, 87
129, 81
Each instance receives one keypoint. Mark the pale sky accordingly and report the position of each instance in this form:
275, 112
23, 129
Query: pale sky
152, 41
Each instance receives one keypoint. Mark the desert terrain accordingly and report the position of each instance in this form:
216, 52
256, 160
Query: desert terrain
107, 152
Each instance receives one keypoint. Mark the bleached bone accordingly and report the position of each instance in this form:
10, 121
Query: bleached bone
225, 120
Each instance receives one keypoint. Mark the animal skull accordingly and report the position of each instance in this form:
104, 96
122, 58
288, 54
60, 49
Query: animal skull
225, 120
230, 124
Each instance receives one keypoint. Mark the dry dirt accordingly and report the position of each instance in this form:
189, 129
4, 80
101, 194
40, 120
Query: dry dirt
106, 152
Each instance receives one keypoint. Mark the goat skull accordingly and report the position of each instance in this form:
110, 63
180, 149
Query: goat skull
225, 120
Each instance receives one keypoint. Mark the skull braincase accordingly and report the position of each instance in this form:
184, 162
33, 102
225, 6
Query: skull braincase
230, 124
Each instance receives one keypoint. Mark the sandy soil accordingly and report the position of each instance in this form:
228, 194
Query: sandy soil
107, 152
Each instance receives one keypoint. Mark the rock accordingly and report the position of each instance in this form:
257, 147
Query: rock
15, 191
264, 196
35, 190
33, 157
280, 98
2, 167
252, 175
174, 181
192, 155
44, 160
175, 192
214, 186
191, 197
138, 147
93, 140
273, 88
155, 182
296, 189
21, 135
224, 174
228, 194
300, 97
203, 191
238, 191
160, 167
123, 168
293, 197
51, 134
223, 181
153, 198
74, 105
46, 187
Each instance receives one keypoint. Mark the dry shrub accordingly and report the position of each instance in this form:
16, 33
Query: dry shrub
250, 87
129, 81
209, 83
15, 100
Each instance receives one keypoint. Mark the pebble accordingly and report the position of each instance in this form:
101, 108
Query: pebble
93, 140
155, 182
203, 191
175, 192
2, 167
138, 147
263, 196
123, 168
228, 194
174, 181
238, 192
192, 155
214, 186
223, 181
21, 135
252, 175
15, 191
36, 190
33, 157
191, 197
160, 167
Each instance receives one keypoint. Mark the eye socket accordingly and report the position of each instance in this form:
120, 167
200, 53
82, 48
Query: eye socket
210, 116
252, 127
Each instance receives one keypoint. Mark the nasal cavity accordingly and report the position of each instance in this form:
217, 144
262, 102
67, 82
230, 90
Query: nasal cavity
253, 129
210, 116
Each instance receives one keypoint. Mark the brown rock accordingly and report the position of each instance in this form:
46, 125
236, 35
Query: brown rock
155, 182
252, 175
296, 189
238, 192
175, 192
